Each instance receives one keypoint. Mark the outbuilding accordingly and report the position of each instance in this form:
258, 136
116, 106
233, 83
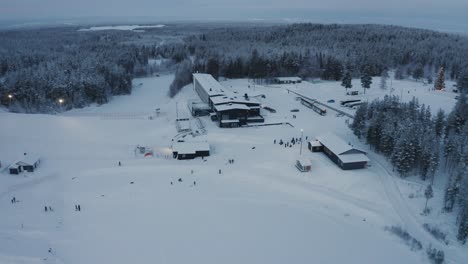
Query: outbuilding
343, 154
303, 165
190, 150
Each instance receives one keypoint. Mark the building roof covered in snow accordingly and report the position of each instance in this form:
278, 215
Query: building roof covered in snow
189, 147
231, 106
209, 84
233, 98
28, 159
315, 143
344, 151
304, 162
337, 145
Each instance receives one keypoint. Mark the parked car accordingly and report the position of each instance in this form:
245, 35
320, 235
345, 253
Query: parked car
331, 101
352, 93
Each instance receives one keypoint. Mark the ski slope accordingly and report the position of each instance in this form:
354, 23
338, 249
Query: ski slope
260, 209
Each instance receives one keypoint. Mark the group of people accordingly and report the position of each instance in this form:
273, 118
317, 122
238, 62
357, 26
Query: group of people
78, 207
13, 200
48, 209
290, 143
231, 161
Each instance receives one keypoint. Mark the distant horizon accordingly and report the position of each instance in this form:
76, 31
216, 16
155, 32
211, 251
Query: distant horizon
453, 21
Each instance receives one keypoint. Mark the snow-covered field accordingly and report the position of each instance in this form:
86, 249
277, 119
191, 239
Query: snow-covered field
121, 27
260, 209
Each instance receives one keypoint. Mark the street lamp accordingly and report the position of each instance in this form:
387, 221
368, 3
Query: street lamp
302, 133
10, 96
60, 100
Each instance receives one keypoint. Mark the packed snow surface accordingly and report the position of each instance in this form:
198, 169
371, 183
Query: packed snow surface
258, 209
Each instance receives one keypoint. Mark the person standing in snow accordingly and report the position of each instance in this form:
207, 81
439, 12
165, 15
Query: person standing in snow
79, 208
120, 164
45, 208
274, 141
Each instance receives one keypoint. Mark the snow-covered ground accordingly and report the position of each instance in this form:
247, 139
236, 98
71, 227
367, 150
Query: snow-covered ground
121, 27
260, 209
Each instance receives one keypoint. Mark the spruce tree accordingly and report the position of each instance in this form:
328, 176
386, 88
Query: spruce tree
440, 82
346, 82
439, 123
366, 78
428, 193
462, 82
383, 79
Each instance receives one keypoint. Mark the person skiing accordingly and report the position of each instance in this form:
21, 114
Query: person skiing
79, 208
180, 180
120, 164
45, 208
194, 183
274, 141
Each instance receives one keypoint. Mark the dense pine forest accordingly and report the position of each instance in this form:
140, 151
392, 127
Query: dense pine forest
417, 143
40, 66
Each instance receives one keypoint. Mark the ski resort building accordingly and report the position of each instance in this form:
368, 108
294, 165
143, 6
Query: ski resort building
29, 162
287, 80
190, 150
343, 154
229, 109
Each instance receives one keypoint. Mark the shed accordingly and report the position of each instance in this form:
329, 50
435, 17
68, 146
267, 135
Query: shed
303, 165
343, 154
190, 150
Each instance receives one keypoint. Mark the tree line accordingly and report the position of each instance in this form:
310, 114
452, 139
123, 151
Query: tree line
50, 69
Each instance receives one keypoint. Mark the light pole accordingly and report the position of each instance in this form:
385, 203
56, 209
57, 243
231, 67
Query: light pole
10, 96
302, 133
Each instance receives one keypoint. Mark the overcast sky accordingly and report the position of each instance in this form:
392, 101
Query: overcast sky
339, 11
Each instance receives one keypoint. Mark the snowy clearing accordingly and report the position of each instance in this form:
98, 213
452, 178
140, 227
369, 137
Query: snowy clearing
260, 209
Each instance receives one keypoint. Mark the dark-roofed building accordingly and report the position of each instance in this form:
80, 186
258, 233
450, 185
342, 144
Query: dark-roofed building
343, 154
230, 109
190, 150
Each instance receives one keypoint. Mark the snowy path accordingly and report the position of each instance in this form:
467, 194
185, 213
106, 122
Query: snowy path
408, 220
